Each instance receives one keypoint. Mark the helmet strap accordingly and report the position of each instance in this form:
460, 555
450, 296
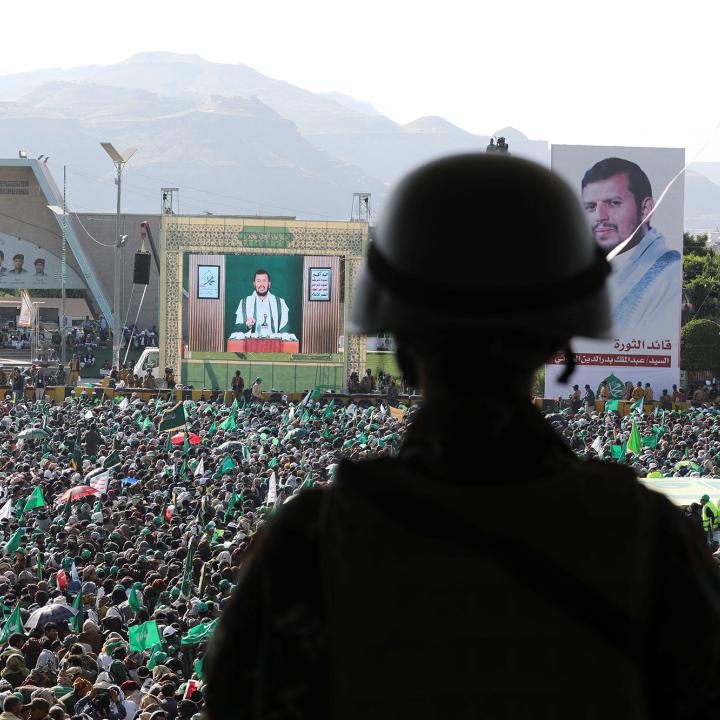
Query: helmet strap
569, 365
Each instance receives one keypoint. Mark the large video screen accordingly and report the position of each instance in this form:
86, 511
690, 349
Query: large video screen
262, 303
620, 190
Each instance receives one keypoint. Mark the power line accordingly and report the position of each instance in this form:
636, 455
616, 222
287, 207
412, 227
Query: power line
27, 222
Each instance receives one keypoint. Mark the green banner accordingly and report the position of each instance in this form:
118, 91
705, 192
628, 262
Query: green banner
143, 637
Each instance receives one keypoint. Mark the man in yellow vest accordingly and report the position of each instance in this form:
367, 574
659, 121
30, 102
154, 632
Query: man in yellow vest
709, 514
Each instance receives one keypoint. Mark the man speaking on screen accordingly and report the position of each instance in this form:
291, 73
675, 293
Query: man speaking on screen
646, 279
262, 313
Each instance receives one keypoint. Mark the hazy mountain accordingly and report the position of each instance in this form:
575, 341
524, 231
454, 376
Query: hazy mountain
246, 157
365, 108
234, 140
702, 201
91, 102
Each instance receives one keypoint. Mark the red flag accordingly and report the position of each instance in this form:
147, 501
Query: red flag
192, 686
62, 580
169, 512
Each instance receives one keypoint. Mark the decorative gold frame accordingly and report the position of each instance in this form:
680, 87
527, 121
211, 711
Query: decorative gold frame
206, 235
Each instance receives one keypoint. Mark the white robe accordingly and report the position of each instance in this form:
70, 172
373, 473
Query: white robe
257, 307
645, 289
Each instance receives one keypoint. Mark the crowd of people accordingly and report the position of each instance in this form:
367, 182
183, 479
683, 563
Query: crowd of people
122, 543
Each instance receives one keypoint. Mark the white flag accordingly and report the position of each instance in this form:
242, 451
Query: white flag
272, 490
597, 446
88, 415
123, 404
26, 311
200, 469
7, 509
100, 482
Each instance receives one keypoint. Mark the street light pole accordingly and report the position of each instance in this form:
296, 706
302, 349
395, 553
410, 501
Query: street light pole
117, 329
63, 265
119, 161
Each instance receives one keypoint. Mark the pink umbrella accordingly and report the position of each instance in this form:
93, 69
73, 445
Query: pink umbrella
76, 493
179, 439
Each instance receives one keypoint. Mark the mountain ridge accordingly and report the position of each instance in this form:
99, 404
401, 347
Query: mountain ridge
236, 133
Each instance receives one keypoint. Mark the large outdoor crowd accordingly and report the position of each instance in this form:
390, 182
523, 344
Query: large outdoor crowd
124, 524
121, 544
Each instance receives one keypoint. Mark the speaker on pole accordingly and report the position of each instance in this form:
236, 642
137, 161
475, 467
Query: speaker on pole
141, 270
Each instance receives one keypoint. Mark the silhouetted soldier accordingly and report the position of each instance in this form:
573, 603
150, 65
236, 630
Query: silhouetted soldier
442, 583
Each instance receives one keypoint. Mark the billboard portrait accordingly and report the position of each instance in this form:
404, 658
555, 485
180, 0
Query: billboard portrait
238, 303
619, 188
24, 265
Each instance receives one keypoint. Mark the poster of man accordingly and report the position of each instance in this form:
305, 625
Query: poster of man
26, 265
263, 296
619, 189
262, 312
646, 284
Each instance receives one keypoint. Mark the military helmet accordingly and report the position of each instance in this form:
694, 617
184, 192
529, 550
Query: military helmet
479, 241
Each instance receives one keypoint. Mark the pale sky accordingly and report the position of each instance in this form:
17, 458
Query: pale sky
619, 72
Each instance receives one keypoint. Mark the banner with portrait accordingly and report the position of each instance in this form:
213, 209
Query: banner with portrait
26, 265
619, 188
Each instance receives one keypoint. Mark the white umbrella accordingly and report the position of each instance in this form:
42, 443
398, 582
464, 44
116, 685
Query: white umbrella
33, 434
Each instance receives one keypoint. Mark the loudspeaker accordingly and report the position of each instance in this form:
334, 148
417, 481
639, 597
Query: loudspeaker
141, 271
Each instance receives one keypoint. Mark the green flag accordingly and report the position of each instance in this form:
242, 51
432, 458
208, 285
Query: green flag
229, 423
77, 622
634, 444
186, 442
14, 542
612, 405
228, 464
212, 429
245, 452
147, 422
12, 625
637, 405
111, 460
231, 505
234, 406
199, 633
157, 656
35, 500
143, 637
651, 441
133, 601
618, 451
186, 587
272, 462
173, 418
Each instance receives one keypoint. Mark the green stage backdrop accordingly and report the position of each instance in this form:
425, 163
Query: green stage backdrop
286, 281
